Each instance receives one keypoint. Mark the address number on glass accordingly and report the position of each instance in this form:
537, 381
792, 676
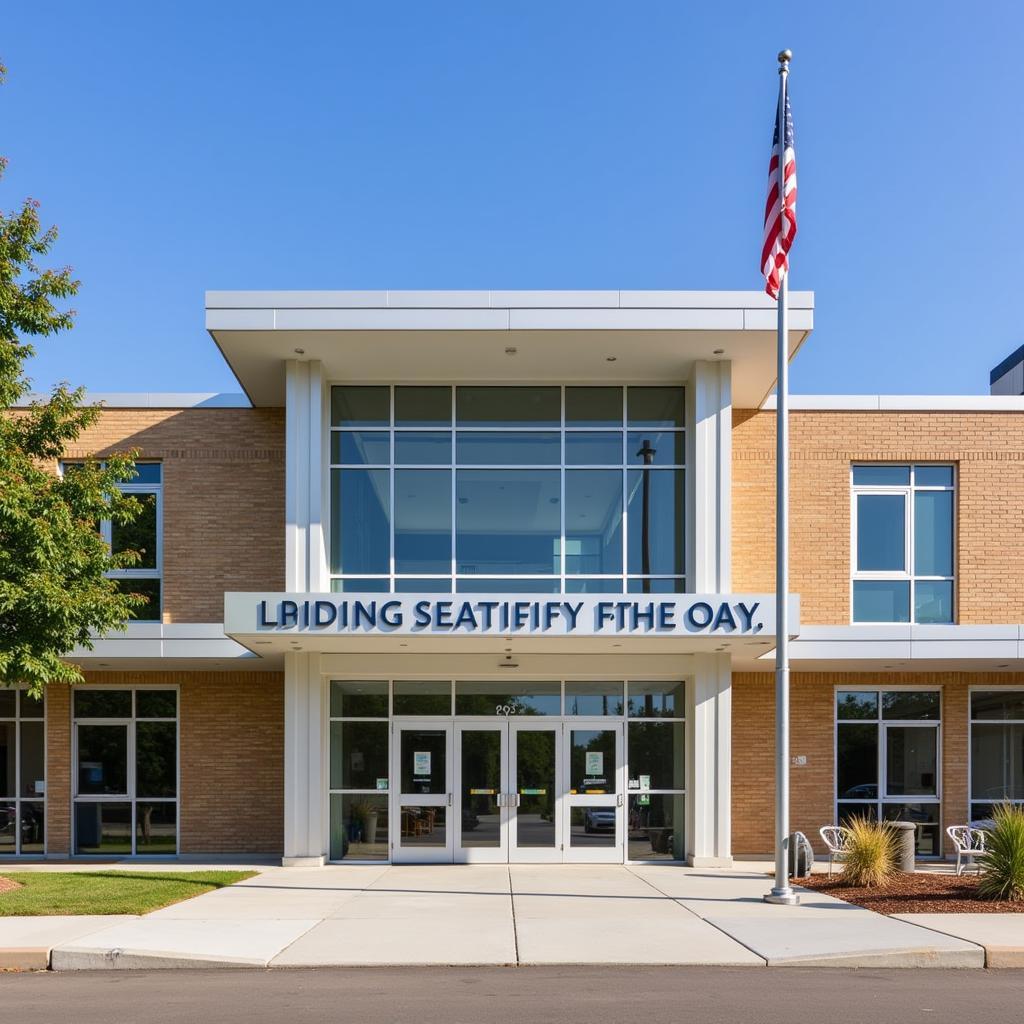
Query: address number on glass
506, 709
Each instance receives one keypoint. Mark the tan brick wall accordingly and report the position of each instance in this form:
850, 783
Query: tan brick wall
812, 725
223, 494
231, 751
988, 449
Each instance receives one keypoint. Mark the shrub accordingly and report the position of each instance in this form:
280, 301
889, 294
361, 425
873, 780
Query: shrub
1002, 863
870, 854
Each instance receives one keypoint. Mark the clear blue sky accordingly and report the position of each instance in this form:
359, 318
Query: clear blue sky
187, 146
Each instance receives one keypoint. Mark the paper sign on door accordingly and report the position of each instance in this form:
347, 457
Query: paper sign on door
595, 762
421, 762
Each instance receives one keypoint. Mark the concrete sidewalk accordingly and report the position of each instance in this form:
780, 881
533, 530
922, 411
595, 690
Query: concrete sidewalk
497, 915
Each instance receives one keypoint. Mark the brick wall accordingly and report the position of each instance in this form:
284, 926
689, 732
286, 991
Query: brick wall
987, 447
231, 750
812, 724
223, 494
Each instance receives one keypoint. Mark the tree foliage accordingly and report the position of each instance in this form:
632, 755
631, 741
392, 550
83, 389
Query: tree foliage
53, 591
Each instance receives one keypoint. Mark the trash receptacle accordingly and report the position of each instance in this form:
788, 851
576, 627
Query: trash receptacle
906, 844
801, 856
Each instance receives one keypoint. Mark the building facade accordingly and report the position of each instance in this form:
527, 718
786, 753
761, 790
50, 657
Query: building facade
489, 577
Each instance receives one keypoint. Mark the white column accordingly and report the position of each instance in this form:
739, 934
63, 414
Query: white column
305, 477
305, 842
712, 477
709, 787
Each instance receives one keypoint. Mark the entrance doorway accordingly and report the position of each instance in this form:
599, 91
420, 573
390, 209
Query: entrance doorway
498, 791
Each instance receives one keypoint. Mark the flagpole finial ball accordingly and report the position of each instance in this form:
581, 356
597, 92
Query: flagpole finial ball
785, 56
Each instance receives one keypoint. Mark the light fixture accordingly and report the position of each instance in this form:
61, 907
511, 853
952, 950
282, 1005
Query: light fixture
511, 350
718, 352
610, 359
300, 351
507, 662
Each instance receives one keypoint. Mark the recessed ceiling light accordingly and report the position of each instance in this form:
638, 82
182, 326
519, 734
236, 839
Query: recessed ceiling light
718, 352
511, 350
300, 351
610, 359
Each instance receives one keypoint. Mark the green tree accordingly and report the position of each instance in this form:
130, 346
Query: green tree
53, 591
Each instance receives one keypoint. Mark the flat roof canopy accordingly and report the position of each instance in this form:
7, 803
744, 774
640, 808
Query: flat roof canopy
448, 337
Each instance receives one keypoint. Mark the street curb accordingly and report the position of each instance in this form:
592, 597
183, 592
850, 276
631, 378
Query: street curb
25, 958
72, 958
1004, 956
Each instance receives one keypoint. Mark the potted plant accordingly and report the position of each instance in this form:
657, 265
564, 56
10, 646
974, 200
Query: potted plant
364, 817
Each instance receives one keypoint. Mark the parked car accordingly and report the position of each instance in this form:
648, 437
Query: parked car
598, 819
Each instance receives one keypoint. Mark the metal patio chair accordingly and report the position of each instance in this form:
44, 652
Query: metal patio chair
835, 838
969, 842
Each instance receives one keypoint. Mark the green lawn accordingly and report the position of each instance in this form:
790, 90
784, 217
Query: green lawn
107, 892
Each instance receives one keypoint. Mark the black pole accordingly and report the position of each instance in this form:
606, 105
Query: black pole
646, 453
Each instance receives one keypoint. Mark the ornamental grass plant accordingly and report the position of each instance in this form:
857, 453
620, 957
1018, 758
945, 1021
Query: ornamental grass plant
870, 854
1002, 863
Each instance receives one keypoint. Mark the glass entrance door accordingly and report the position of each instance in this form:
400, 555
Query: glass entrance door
424, 771
482, 805
592, 817
535, 767
507, 791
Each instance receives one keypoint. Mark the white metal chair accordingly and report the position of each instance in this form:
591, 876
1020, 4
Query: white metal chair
969, 842
835, 838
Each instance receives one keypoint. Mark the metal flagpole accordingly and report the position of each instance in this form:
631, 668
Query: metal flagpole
782, 892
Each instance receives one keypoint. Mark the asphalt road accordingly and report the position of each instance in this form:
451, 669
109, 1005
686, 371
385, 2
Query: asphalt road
541, 995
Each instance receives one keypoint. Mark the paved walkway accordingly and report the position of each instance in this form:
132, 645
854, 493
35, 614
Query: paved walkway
483, 914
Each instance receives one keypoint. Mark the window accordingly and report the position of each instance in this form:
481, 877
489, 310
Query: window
144, 535
22, 773
479, 489
656, 766
997, 750
126, 771
887, 758
359, 752
903, 543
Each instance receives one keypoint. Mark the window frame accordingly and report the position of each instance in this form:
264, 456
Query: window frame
971, 722
677, 582
107, 533
18, 799
882, 724
909, 574
130, 796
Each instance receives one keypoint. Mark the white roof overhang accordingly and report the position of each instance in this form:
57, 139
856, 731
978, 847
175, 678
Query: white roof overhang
605, 336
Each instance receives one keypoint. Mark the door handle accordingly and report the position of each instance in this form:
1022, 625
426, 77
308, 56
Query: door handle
449, 799
618, 800
518, 799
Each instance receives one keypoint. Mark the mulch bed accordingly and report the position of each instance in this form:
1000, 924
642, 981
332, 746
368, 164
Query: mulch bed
6, 885
920, 893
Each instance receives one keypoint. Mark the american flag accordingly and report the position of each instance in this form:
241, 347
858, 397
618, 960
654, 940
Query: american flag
779, 227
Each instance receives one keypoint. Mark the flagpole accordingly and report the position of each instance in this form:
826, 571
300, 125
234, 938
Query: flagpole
782, 892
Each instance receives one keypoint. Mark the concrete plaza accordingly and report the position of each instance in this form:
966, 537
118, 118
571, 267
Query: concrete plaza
491, 915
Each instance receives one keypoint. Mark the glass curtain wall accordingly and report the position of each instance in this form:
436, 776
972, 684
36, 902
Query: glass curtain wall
653, 715
545, 489
997, 750
22, 773
887, 759
126, 778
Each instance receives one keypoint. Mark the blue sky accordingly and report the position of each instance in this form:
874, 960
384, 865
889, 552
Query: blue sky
432, 144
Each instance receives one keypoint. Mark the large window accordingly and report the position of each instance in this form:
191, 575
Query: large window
903, 543
997, 750
22, 773
126, 771
474, 489
887, 759
144, 535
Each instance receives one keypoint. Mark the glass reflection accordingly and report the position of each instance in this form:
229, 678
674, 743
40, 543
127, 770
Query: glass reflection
593, 521
654, 826
507, 521
655, 508
480, 827
592, 827
423, 520
535, 786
